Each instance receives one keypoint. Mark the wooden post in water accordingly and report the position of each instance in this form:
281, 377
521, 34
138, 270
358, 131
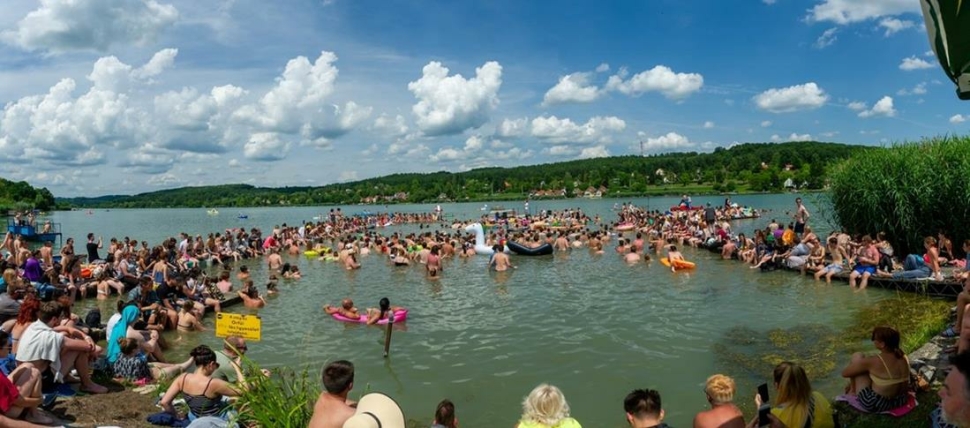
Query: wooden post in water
387, 333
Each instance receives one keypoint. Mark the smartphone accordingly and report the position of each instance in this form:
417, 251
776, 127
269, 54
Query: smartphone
763, 413
763, 392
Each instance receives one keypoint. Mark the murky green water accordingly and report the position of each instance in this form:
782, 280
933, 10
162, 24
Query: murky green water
592, 325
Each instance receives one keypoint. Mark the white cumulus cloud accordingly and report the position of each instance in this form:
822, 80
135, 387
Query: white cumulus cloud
883, 107
827, 38
391, 126
299, 103
658, 79
919, 89
765, 123
559, 131
572, 88
894, 25
266, 146
594, 152
66, 126
670, 141
848, 11
857, 106
792, 137
512, 128
708, 125
807, 96
958, 118
64, 25
451, 104
914, 63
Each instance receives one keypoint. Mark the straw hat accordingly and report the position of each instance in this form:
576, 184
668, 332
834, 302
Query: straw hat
376, 410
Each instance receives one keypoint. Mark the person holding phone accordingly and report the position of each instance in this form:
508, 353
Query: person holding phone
796, 405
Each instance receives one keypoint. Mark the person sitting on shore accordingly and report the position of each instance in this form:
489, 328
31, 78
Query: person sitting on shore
955, 394
333, 408
881, 382
867, 259
203, 393
720, 391
796, 405
132, 366
42, 347
346, 309
643, 409
444, 415
384, 311
546, 407
24, 383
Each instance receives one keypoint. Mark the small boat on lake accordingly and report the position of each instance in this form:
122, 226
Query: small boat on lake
212, 211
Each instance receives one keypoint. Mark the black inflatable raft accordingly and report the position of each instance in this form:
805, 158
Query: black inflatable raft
542, 250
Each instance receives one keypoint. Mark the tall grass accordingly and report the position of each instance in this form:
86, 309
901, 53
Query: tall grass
909, 191
285, 399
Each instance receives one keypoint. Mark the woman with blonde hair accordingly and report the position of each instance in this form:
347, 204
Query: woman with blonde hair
546, 407
723, 413
796, 405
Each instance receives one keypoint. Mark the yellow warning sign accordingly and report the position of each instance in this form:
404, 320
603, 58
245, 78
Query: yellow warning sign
248, 327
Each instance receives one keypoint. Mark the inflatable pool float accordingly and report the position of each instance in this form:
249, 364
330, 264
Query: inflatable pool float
399, 316
522, 250
678, 264
480, 247
624, 227
311, 254
683, 208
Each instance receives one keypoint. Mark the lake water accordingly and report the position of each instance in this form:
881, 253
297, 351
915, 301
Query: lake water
591, 325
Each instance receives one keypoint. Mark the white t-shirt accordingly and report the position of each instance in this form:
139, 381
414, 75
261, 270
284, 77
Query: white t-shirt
111, 323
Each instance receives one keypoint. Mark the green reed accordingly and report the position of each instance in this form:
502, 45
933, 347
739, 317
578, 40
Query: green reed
285, 399
909, 191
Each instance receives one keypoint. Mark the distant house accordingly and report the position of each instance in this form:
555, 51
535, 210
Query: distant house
790, 184
592, 192
789, 167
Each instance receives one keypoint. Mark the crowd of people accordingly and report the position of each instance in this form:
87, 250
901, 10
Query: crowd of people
168, 287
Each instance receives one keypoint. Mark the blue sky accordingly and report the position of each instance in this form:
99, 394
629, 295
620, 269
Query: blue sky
128, 96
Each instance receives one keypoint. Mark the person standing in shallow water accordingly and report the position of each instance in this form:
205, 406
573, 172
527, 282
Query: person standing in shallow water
801, 217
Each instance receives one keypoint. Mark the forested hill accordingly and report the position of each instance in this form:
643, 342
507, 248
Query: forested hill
22, 196
744, 167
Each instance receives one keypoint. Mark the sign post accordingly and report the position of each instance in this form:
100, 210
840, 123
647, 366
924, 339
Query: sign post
248, 327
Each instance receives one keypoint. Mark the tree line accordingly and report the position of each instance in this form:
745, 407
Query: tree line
21, 196
751, 166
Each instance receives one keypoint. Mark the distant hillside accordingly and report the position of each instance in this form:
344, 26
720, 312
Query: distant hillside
22, 196
751, 166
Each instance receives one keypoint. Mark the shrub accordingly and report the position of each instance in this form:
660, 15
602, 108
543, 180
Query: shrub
909, 191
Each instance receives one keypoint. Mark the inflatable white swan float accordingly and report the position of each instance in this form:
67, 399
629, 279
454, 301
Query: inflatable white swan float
480, 247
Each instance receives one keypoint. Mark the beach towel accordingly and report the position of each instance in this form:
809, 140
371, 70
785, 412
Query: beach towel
128, 316
898, 412
166, 419
40, 342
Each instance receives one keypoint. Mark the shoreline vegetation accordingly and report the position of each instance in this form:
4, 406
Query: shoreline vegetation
745, 168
